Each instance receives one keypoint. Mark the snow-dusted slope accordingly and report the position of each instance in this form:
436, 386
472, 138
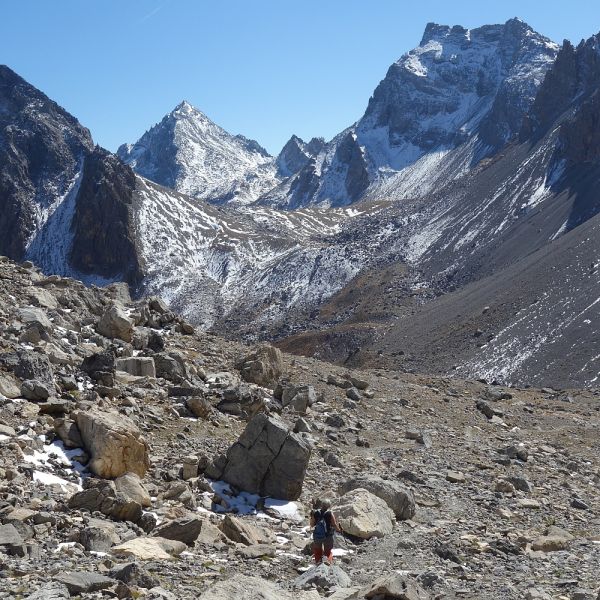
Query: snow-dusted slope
461, 91
189, 153
210, 261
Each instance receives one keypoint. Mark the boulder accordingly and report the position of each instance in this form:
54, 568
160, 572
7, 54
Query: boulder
34, 390
170, 366
83, 582
51, 591
139, 366
185, 529
29, 314
323, 577
99, 363
394, 587
149, 548
364, 515
44, 298
98, 536
398, 497
199, 407
298, 398
9, 386
264, 366
103, 496
133, 574
245, 533
114, 444
267, 459
115, 323
131, 486
32, 365
243, 587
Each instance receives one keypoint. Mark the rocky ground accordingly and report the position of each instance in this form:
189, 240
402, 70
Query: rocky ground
119, 423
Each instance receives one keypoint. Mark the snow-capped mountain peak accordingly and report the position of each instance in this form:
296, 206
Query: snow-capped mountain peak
460, 88
190, 153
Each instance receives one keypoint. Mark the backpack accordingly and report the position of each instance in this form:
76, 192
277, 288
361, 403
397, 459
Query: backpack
322, 529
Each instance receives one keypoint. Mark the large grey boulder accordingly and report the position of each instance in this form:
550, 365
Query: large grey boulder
323, 577
103, 496
115, 323
268, 459
242, 587
81, 582
185, 529
264, 366
364, 515
393, 587
114, 443
398, 497
170, 366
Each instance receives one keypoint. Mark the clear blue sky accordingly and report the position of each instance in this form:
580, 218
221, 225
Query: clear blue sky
263, 68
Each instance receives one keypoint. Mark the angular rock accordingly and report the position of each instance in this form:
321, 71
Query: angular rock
394, 587
170, 366
9, 535
264, 366
253, 588
102, 496
99, 363
398, 497
135, 575
364, 515
115, 323
149, 548
245, 533
114, 444
139, 366
131, 486
185, 529
35, 390
82, 582
267, 459
323, 577
9, 387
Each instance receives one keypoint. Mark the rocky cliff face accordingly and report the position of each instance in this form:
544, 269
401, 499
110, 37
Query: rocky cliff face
41, 152
189, 153
104, 239
573, 77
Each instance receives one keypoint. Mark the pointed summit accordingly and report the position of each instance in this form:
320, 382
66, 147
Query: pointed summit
188, 152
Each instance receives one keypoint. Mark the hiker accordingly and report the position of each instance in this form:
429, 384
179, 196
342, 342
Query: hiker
324, 523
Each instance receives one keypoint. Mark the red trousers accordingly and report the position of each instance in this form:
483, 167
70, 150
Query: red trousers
323, 548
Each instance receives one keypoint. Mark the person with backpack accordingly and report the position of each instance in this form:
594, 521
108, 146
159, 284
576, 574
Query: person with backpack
324, 523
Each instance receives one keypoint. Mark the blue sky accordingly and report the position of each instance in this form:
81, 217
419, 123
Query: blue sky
263, 68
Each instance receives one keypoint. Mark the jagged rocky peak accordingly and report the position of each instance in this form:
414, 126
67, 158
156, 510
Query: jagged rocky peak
456, 83
188, 152
459, 85
296, 154
573, 77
